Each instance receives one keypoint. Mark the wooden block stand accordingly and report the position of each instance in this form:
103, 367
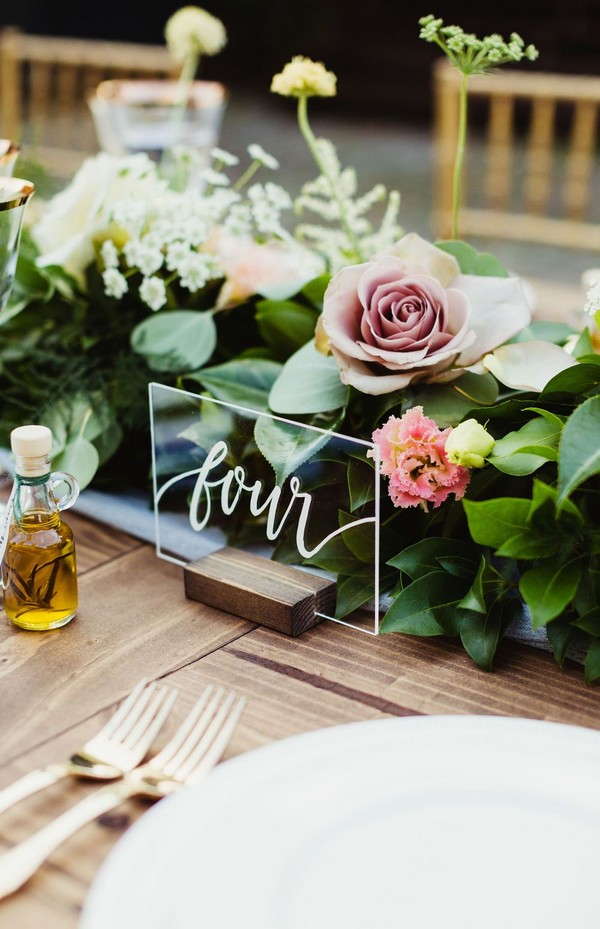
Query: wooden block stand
263, 591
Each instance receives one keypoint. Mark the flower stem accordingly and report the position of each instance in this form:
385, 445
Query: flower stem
246, 176
311, 141
460, 154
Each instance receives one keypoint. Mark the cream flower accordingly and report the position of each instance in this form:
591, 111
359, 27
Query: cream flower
302, 77
192, 31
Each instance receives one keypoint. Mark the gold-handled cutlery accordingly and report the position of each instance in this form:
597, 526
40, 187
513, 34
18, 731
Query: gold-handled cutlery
117, 748
191, 753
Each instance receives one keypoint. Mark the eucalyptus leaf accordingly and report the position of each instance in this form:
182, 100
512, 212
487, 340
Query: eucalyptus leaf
449, 404
309, 383
245, 382
470, 261
175, 340
546, 330
286, 446
579, 457
79, 458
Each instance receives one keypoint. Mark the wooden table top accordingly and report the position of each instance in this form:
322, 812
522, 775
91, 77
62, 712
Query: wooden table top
134, 620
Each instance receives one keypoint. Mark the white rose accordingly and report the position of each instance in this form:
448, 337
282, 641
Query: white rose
78, 214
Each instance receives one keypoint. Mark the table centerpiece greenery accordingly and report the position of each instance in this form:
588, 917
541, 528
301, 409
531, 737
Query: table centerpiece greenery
487, 422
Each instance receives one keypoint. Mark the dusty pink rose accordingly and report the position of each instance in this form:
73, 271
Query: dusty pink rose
410, 315
413, 456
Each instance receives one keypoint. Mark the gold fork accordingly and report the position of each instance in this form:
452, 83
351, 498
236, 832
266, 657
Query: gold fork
119, 746
186, 759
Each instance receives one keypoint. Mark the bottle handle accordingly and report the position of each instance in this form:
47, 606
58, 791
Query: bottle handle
67, 499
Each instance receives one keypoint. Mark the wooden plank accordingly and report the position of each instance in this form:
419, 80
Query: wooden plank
405, 674
133, 620
277, 708
263, 591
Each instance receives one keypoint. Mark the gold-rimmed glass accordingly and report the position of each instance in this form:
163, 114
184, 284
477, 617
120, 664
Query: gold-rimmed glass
9, 152
14, 196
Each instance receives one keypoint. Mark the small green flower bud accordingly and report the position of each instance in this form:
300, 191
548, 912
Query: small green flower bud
469, 444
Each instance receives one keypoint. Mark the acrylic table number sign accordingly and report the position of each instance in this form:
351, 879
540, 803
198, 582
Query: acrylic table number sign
274, 520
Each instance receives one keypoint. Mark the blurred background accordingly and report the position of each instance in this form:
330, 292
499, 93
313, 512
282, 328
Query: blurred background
381, 118
383, 68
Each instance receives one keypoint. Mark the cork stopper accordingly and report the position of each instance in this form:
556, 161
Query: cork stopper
31, 446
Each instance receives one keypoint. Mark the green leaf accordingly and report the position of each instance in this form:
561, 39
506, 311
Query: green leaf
474, 599
353, 592
460, 567
514, 454
579, 450
425, 556
175, 340
584, 345
480, 635
548, 590
545, 331
215, 423
530, 545
286, 446
426, 607
592, 662
492, 522
361, 483
558, 421
335, 556
450, 404
79, 458
314, 291
284, 325
575, 381
471, 261
309, 383
244, 382
560, 634
589, 622
546, 516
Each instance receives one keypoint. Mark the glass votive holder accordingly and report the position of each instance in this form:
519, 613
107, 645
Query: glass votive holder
9, 152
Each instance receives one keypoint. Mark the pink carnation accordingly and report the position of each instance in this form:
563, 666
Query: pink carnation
413, 456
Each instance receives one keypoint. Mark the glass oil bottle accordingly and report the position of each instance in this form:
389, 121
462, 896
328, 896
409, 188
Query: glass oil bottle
39, 573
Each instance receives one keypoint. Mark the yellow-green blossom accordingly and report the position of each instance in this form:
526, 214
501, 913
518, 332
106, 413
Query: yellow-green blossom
302, 77
469, 444
192, 31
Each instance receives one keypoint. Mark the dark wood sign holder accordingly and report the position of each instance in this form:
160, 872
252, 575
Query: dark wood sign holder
265, 592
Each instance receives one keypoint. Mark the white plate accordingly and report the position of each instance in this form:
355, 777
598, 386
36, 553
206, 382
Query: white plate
416, 823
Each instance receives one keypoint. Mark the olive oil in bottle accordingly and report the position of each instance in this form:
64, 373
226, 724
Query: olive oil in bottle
39, 574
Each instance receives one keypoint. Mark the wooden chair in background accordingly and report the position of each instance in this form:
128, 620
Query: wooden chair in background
44, 85
535, 191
